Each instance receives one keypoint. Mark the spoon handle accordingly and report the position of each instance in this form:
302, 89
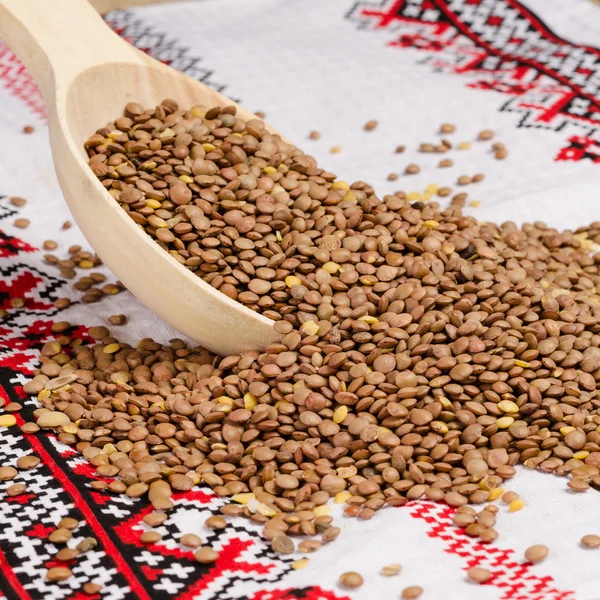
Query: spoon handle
58, 39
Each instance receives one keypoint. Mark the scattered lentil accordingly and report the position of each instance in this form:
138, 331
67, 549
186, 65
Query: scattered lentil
282, 544
7, 473
536, 554
215, 522
191, 540
390, 570
90, 588
206, 555
16, 489
150, 537
58, 574
412, 592
590, 541
7, 420
351, 580
117, 320
478, 574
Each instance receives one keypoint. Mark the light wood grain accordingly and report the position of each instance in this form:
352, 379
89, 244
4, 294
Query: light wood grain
104, 6
87, 74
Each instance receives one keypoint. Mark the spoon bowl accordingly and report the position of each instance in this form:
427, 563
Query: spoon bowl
87, 74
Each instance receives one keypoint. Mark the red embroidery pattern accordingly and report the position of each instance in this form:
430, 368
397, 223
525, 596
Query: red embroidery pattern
580, 147
501, 46
514, 578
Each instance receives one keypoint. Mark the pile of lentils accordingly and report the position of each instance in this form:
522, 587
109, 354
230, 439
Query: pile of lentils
423, 354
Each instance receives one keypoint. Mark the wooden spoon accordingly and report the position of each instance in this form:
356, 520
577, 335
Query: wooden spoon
87, 74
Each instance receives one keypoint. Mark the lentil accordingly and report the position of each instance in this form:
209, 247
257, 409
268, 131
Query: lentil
412, 592
191, 540
478, 574
58, 574
7, 420
590, 541
351, 580
91, 588
117, 320
536, 554
215, 522
7, 473
391, 570
206, 555
282, 544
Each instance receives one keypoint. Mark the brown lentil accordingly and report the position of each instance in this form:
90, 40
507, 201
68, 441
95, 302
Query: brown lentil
117, 319
412, 592
351, 580
536, 554
7, 473
590, 541
478, 574
486, 134
150, 537
66, 554
91, 588
215, 522
58, 574
206, 555
191, 540
282, 544
16, 489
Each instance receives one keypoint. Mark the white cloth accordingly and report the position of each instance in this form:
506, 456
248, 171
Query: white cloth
326, 66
